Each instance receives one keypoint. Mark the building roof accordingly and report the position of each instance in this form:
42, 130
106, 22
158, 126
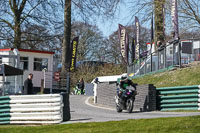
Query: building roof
9, 70
28, 50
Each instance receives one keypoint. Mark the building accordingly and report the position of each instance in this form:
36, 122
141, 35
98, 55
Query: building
40, 63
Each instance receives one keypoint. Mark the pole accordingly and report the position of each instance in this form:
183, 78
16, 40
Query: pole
165, 57
68, 83
179, 54
151, 58
4, 82
145, 67
158, 60
173, 55
139, 67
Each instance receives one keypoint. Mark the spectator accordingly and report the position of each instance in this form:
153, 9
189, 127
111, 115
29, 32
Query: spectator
81, 85
28, 85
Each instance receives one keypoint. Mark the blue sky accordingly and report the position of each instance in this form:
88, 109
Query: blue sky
108, 27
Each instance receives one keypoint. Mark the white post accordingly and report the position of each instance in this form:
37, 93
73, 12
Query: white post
95, 92
17, 61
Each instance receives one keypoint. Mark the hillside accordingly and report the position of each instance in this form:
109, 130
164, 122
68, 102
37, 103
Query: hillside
179, 77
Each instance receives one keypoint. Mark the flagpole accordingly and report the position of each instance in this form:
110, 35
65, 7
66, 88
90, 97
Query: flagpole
152, 38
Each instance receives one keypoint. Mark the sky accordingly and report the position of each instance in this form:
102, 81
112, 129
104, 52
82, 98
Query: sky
108, 27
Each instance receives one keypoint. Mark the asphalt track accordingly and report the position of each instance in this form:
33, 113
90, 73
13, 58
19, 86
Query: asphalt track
82, 111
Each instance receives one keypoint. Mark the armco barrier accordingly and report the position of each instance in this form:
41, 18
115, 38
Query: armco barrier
179, 98
31, 109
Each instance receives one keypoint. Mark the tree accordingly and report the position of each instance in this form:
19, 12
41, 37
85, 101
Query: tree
67, 36
16, 8
67, 33
90, 39
86, 10
190, 13
39, 37
159, 22
15, 14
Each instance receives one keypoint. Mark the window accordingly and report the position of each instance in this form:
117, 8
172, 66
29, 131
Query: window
170, 50
40, 64
24, 61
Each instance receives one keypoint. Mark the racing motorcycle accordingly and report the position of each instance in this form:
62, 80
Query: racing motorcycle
77, 91
125, 99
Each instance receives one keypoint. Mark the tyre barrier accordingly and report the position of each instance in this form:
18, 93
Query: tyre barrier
179, 98
31, 109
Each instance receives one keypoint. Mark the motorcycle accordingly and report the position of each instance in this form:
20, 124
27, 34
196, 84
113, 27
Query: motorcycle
77, 91
125, 99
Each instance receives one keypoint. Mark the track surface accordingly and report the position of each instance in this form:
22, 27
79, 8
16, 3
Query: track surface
83, 112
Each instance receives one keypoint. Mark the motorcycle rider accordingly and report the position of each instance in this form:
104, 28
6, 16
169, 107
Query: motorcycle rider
124, 83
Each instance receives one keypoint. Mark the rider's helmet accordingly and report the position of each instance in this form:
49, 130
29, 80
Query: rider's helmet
96, 80
124, 76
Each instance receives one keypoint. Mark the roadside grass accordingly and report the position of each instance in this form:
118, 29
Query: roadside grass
160, 125
179, 77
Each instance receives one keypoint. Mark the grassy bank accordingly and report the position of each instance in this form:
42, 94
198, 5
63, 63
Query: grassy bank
161, 125
179, 77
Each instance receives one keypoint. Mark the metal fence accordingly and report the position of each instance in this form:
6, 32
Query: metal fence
174, 54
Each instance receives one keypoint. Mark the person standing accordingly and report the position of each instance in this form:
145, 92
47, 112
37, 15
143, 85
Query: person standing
81, 85
28, 85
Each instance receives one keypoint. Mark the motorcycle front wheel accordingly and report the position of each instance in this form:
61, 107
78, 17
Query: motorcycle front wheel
129, 105
118, 108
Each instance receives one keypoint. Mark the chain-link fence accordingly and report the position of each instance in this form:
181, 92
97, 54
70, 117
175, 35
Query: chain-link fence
176, 54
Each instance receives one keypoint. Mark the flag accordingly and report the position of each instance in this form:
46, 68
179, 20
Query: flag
74, 45
137, 39
174, 15
124, 43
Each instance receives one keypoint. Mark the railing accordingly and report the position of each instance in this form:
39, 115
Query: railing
178, 98
175, 54
31, 109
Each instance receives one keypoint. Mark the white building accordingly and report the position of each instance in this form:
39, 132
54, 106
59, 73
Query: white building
31, 61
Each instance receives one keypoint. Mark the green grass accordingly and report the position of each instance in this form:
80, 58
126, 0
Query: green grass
179, 77
160, 125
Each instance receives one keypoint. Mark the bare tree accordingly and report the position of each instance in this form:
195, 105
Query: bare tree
39, 37
15, 14
67, 36
16, 8
190, 13
86, 10
90, 39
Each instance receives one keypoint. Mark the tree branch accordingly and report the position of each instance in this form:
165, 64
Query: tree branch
22, 6
8, 23
11, 6
28, 14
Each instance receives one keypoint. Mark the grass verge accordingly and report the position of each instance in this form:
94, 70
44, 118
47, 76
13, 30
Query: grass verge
159, 125
179, 77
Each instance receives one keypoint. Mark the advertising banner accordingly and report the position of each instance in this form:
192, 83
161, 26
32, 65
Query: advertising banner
124, 43
74, 46
137, 39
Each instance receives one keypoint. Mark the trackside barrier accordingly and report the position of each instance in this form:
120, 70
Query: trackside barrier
31, 109
179, 98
